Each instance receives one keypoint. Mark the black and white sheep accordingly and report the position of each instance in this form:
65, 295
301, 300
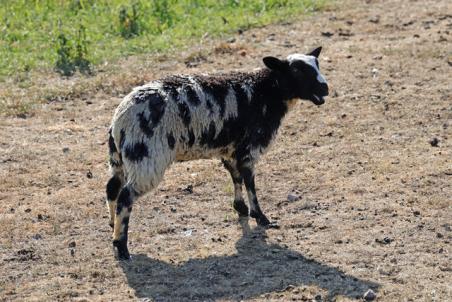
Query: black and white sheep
232, 116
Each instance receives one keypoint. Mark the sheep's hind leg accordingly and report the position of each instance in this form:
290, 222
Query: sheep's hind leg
239, 204
113, 187
123, 209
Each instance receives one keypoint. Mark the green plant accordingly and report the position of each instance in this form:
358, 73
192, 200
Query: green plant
81, 52
64, 64
71, 57
26, 26
129, 25
161, 11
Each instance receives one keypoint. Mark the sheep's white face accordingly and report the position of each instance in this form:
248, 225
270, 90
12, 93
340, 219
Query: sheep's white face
303, 72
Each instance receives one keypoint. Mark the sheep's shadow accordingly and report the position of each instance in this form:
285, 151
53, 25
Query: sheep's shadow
257, 268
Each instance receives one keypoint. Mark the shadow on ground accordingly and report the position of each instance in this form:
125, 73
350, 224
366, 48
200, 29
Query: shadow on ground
257, 268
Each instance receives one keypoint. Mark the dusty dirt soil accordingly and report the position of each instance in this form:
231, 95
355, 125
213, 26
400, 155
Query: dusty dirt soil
370, 173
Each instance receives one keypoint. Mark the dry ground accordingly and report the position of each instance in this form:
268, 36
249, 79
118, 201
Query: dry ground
374, 208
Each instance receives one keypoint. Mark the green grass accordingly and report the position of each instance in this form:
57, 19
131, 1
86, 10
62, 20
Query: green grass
70, 35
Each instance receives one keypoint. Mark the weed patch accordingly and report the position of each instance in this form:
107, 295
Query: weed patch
55, 34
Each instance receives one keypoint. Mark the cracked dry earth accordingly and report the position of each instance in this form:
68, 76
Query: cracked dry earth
369, 176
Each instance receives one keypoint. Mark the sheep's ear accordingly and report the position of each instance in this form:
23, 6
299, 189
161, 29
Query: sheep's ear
316, 52
274, 63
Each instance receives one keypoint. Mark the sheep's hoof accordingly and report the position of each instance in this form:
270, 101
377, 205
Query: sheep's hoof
272, 225
261, 219
121, 249
241, 208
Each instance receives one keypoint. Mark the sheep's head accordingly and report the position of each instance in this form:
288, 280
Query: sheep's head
303, 75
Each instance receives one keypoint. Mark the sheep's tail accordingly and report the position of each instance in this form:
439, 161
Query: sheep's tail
116, 181
115, 156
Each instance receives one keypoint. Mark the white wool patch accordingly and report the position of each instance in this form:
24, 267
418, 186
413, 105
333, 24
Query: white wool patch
310, 60
247, 87
230, 109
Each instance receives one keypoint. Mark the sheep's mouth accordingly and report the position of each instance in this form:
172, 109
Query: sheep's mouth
317, 99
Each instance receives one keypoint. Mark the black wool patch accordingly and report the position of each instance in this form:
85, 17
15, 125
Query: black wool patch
192, 96
113, 187
111, 143
191, 138
124, 200
184, 113
209, 106
217, 88
136, 152
175, 81
171, 140
156, 108
172, 93
141, 96
208, 135
145, 124
230, 133
240, 93
122, 138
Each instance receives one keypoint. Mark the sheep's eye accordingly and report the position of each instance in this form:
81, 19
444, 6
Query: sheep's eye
297, 69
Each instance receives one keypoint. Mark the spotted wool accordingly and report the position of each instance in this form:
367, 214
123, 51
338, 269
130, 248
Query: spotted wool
233, 116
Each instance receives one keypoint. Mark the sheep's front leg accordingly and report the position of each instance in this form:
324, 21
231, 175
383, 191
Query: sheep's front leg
239, 204
121, 225
247, 172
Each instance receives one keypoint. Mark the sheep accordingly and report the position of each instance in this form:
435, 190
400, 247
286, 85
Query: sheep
233, 116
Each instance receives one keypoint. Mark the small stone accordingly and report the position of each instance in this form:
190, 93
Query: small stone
385, 240
369, 295
37, 237
327, 34
293, 197
416, 213
188, 189
434, 142
374, 19
65, 150
72, 244
89, 174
